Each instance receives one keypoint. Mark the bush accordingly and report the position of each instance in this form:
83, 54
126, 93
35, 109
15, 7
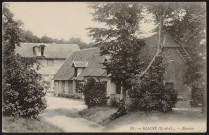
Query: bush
163, 100
197, 96
23, 92
114, 102
94, 93
151, 94
79, 86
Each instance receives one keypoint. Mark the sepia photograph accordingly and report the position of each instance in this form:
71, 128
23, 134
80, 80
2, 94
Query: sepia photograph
104, 67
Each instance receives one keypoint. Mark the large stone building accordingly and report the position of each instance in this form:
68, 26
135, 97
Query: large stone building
89, 63
51, 57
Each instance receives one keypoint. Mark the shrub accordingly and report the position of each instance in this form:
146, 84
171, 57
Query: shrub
114, 102
163, 100
23, 92
151, 94
79, 86
94, 93
197, 94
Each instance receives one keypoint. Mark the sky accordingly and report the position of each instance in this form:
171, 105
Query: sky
61, 20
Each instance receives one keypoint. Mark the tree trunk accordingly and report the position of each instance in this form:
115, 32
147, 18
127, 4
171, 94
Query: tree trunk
123, 107
159, 49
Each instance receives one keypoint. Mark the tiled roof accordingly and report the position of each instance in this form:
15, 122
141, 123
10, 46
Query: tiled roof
94, 67
91, 72
152, 43
51, 50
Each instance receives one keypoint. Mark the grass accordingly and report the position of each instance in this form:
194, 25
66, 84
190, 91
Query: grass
15, 124
157, 117
98, 114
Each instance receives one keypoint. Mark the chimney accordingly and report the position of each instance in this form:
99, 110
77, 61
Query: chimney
39, 50
42, 47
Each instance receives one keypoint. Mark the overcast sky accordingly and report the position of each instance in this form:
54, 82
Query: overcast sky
57, 19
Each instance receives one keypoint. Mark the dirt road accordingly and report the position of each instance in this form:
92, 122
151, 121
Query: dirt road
63, 112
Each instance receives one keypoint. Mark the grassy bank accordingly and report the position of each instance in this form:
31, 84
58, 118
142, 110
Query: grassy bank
14, 124
98, 114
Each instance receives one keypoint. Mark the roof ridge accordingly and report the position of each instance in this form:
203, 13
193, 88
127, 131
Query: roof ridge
46, 43
88, 49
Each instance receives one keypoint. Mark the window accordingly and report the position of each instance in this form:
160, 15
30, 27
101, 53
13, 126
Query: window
118, 89
50, 62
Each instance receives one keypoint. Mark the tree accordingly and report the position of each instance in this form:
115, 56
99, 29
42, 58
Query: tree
164, 14
118, 39
23, 94
28, 36
191, 29
80, 43
46, 39
186, 23
126, 65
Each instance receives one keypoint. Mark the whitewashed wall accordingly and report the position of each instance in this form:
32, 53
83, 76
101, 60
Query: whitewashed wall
48, 69
111, 88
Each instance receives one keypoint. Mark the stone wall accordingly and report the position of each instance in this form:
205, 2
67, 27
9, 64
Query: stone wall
48, 69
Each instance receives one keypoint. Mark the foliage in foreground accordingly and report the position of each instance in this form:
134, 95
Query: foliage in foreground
15, 124
95, 93
151, 93
23, 92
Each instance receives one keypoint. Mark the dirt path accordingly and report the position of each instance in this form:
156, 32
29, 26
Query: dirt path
63, 112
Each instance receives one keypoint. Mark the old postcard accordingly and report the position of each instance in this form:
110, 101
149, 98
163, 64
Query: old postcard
104, 67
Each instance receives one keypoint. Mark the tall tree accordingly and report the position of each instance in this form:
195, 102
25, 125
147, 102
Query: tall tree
23, 94
164, 14
119, 40
186, 23
190, 32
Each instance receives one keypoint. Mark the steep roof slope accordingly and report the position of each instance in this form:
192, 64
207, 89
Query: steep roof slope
94, 68
50, 51
152, 43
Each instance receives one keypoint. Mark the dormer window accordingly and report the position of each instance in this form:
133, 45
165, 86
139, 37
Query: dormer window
79, 67
39, 50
